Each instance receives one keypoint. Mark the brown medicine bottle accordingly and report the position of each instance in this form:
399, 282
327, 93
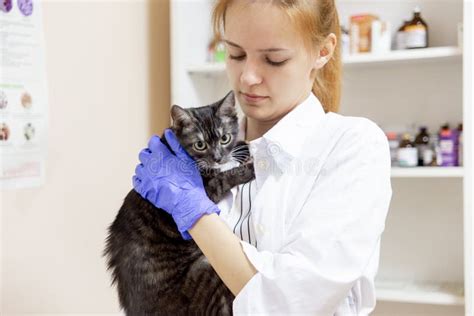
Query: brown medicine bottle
421, 142
407, 154
416, 31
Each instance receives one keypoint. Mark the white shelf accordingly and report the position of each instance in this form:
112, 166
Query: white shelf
406, 56
207, 69
392, 57
421, 292
428, 172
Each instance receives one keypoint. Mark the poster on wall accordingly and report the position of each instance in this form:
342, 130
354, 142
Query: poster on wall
23, 95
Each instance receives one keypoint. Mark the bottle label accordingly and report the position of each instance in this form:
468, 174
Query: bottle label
428, 157
446, 146
448, 153
415, 36
408, 157
421, 150
393, 144
400, 40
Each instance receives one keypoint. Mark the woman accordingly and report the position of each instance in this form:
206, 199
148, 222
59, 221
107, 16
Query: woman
322, 187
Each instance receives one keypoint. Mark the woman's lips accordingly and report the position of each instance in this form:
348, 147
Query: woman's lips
253, 98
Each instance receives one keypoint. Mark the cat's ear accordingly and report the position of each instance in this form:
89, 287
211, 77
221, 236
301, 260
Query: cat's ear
180, 116
227, 105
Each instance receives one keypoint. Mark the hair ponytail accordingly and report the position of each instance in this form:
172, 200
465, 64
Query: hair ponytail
327, 85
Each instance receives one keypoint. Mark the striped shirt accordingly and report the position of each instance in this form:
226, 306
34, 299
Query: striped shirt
236, 207
236, 211
241, 213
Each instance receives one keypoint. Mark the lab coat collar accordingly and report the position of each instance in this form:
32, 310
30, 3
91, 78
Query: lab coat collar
284, 141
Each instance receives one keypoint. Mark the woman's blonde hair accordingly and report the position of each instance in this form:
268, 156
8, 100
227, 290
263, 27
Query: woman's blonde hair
315, 20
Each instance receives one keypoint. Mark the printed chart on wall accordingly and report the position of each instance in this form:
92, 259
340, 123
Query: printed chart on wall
23, 95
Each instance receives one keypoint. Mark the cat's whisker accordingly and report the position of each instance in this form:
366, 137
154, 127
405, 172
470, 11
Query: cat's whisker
239, 160
241, 156
238, 148
240, 145
239, 153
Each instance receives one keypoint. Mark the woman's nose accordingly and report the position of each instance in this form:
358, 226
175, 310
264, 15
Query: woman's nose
250, 74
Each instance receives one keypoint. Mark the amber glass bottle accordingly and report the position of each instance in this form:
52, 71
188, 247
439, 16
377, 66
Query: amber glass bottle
407, 154
416, 31
421, 142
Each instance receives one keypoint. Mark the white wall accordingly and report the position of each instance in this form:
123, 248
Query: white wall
108, 78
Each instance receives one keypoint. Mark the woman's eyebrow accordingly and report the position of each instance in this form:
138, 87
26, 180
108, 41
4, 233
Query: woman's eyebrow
260, 50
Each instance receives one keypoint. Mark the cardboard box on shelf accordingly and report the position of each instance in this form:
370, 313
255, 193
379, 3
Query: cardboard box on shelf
380, 37
360, 32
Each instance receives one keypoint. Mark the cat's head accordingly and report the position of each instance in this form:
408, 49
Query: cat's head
208, 133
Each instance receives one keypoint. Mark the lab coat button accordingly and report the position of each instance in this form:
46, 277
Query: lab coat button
261, 229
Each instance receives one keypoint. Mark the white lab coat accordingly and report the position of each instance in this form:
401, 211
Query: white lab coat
323, 195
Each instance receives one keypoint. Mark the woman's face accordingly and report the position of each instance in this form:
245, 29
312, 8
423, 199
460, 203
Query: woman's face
266, 58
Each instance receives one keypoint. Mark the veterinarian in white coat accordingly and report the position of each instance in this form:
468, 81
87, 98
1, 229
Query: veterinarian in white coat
312, 220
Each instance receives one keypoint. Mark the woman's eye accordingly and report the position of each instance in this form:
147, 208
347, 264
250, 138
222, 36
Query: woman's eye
237, 57
276, 63
199, 146
269, 61
225, 139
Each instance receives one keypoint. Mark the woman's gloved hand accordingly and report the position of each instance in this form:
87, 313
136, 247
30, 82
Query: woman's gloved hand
172, 182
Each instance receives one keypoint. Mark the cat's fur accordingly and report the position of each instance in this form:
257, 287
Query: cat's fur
156, 271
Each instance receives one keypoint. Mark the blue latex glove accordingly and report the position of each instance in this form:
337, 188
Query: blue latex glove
172, 182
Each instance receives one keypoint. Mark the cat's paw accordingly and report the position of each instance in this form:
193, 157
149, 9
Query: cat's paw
245, 172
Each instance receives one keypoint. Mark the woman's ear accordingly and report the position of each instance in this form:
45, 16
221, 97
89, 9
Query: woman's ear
326, 51
320, 62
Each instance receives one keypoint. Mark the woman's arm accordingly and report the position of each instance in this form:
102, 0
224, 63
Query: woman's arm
223, 250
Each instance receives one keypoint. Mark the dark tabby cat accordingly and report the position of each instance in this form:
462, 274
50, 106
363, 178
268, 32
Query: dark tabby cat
156, 271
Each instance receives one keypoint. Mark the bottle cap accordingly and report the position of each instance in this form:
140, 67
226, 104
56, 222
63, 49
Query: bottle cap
391, 135
445, 132
417, 9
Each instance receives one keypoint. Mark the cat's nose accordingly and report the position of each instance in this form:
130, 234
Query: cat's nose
218, 158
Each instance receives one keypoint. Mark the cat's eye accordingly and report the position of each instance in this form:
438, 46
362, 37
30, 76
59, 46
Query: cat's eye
225, 139
200, 145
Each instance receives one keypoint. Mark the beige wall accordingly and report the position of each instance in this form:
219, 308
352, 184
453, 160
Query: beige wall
108, 78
